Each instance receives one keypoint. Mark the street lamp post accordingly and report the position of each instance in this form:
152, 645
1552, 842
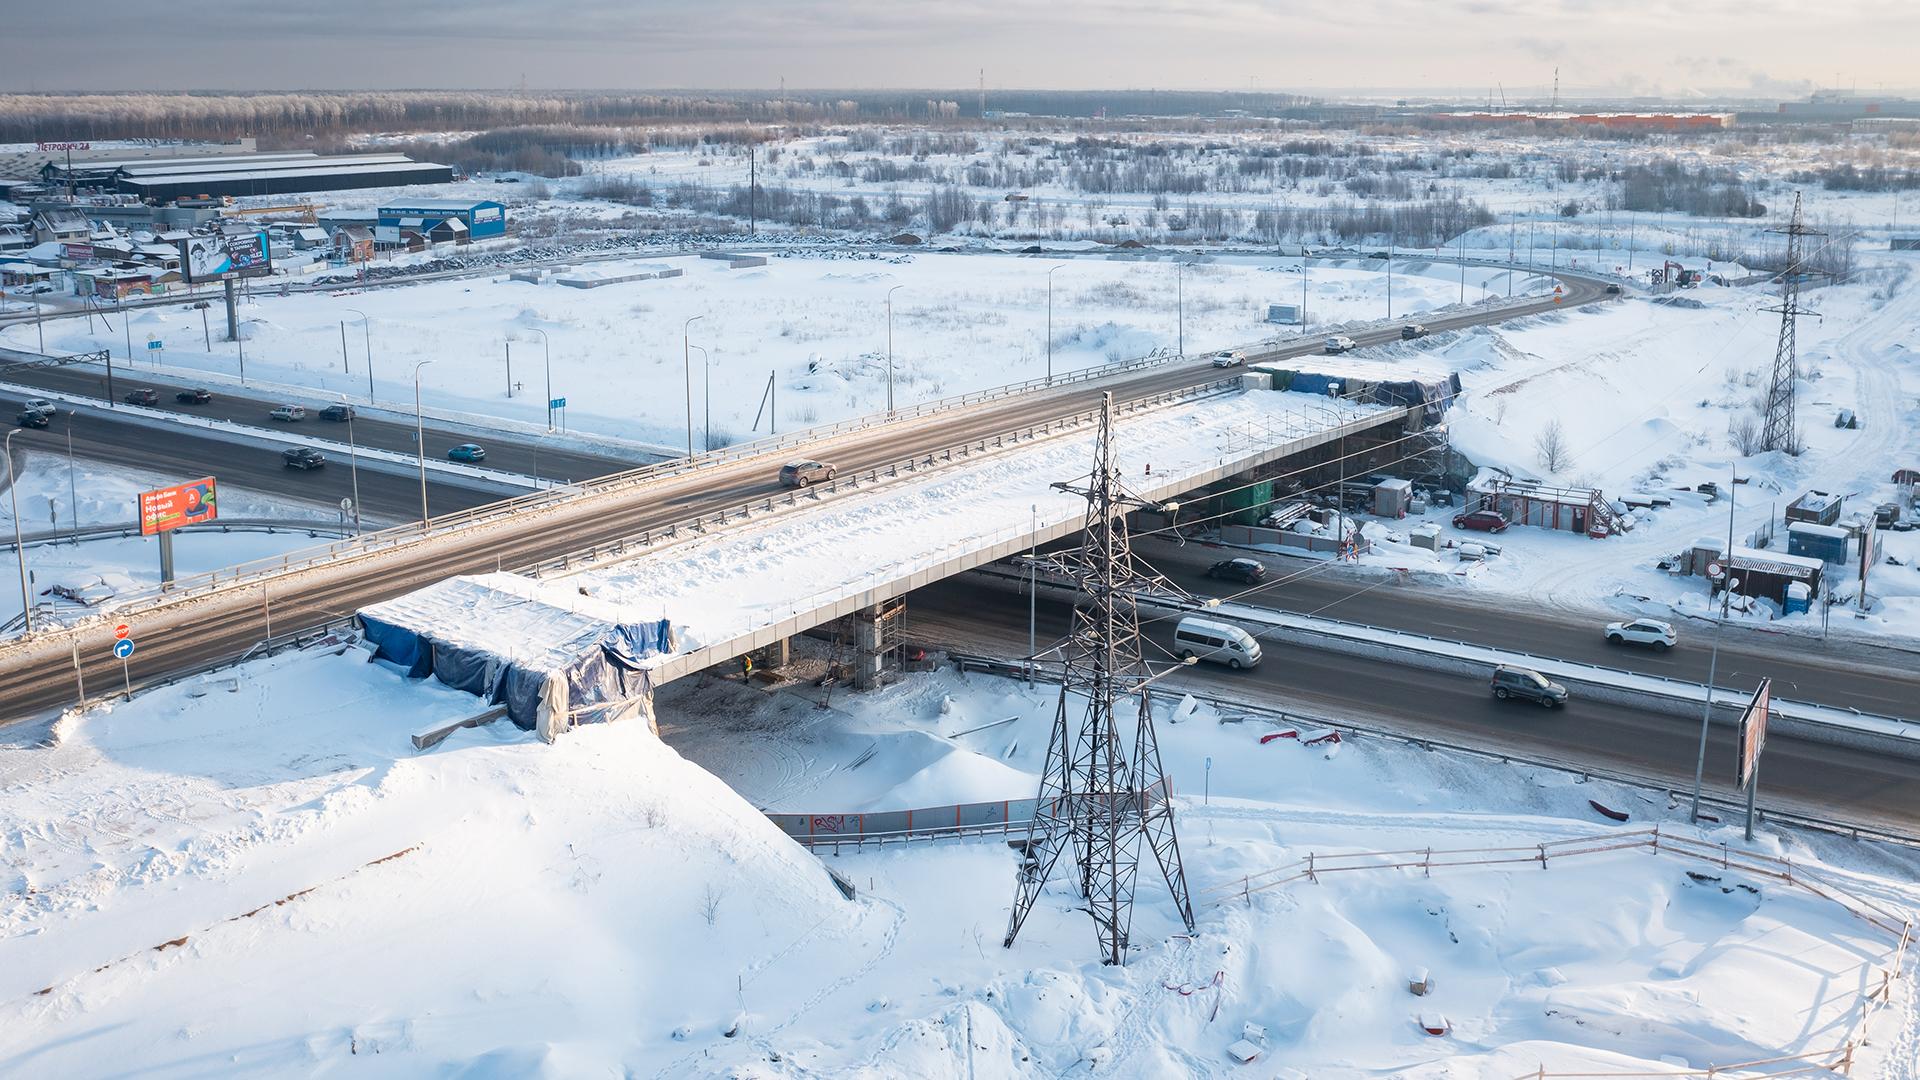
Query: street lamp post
73, 489
1180, 304
343, 348
1050, 271
686, 360
890, 293
420, 439
353, 466
546, 350
1713, 663
706, 399
19, 547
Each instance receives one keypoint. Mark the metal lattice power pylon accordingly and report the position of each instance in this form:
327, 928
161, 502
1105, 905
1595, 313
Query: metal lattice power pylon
1778, 434
1099, 797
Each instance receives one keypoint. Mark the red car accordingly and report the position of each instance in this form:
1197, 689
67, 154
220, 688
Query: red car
1481, 521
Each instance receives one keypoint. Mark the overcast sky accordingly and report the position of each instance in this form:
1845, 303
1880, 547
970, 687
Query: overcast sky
1764, 47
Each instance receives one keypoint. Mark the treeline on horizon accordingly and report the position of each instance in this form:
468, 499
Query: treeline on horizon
324, 114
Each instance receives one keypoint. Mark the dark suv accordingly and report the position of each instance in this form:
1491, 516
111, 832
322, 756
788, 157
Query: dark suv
1250, 571
199, 395
303, 457
146, 395
1527, 685
1413, 330
337, 413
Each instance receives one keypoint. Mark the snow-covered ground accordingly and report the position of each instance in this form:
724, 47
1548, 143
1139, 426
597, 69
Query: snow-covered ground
815, 323
1646, 395
46, 490
249, 874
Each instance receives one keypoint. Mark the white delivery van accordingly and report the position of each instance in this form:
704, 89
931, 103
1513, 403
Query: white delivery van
1221, 643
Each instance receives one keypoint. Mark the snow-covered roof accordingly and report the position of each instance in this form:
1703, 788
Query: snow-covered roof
1748, 558
1808, 528
505, 614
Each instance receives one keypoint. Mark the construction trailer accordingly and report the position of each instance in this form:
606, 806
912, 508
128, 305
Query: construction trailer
1815, 508
1580, 510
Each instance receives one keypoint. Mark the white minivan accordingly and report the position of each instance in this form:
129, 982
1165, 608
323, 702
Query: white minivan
1222, 643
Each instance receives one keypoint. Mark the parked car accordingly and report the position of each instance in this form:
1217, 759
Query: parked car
1229, 358
199, 395
1527, 685
1221, 643
1886, 514
303, 457
1651, 632
34, 418
1250, 571
1340, 343
338, 413
1413, 330
1380, 255
801, 473
287, 414
145, 395
1492, 521
470, 453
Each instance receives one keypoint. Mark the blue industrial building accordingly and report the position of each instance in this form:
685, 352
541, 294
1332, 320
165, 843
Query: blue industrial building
479, 219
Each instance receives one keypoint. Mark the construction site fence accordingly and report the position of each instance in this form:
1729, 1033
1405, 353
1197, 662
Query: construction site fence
1875, 997
882, 827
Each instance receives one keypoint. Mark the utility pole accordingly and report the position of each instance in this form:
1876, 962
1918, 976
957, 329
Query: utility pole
1779, 432
509, 344
1180, 303
1050, 271
546, 351
890, 293
1096, 798
686, 362
1728, 581
753, 181
420, 440
19, 546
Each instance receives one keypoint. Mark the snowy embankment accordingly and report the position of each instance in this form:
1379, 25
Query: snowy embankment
245, 875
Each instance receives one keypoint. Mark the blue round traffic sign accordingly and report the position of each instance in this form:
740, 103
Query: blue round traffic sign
123, 648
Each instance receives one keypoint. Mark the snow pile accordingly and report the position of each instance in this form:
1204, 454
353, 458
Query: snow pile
603, 907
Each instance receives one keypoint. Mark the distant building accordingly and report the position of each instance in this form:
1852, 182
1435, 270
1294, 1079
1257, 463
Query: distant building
1905, 243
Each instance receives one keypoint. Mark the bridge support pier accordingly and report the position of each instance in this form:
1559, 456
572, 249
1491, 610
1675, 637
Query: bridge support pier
872, 640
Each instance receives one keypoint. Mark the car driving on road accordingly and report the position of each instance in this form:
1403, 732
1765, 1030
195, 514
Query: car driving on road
1246, 570
34, 418
1229, 358
468, 452
337, 413
1492, 521
1413, 330
1527, 685
1219, 642
303, 457
287, 414
1658, 635
802, 473
199, 395
145, 395
39, 404
1340, 343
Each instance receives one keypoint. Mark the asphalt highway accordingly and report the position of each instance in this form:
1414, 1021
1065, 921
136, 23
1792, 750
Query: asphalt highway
1849, 676
1796, 775
37, 674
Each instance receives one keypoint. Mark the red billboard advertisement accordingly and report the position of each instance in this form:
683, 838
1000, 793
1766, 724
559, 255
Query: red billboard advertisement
167, 508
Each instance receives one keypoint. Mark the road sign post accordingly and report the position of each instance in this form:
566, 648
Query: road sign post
123, 648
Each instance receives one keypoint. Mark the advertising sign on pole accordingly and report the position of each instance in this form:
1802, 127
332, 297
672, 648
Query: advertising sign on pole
204, 258
191, 503
1753, 733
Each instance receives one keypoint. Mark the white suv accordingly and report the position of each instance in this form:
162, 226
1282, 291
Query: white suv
1659, 635
1229, 358
1339, 343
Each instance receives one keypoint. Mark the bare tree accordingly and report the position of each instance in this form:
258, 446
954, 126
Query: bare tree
1745, 433
710, 904
1551, 445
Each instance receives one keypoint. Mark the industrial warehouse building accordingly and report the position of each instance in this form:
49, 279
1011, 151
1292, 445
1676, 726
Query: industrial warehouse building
445, 219
233, 176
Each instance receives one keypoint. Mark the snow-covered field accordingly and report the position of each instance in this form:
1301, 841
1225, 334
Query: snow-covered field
249, 874
816, 324
46, 489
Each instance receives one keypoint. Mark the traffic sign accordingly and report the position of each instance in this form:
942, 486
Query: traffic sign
1713, 570
557, 403
153, 343
123, 648
346, 506
120, 632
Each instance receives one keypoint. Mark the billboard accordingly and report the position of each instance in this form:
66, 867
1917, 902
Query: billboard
1753, 733
191, 503
211, 258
